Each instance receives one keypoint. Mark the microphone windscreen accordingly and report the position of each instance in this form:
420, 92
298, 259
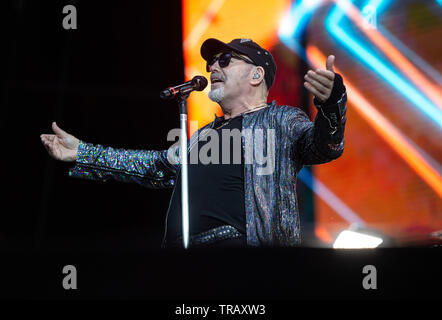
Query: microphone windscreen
200, 83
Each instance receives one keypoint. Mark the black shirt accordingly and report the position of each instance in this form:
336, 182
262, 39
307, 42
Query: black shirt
216, 191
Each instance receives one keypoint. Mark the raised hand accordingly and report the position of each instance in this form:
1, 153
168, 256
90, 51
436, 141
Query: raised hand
61, 145
320, 82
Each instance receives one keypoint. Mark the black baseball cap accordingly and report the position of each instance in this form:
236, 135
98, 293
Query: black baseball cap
260, 56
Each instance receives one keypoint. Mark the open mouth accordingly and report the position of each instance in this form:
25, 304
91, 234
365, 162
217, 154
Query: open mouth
216, 81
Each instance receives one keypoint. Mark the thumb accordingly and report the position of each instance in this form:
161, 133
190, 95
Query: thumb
330, 62
57, 130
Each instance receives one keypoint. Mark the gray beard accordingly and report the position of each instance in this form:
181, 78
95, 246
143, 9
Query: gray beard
217, 95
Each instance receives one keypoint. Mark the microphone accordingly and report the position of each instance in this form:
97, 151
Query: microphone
198, 83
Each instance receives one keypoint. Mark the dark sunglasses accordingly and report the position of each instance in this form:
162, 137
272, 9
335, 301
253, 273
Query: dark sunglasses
224, 60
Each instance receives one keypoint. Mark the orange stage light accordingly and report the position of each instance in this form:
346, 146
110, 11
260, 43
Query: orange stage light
426, 86
384, 128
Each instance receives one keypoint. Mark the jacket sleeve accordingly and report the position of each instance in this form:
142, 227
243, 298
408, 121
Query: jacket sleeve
148, 168
321, 141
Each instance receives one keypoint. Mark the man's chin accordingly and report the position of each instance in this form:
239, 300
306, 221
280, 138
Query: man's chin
217, 94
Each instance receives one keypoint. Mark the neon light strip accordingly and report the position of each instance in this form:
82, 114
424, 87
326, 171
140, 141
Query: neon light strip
295, 22
413, 156
405, 148
411, 55
395, 55
378, 66
330, 198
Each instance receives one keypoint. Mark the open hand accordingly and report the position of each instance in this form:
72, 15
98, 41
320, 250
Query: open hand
61, 145
320, 82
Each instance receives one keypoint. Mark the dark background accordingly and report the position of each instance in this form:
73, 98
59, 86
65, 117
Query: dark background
101, 83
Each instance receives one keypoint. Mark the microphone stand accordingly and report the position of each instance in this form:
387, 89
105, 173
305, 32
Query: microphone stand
182, 92
182, 103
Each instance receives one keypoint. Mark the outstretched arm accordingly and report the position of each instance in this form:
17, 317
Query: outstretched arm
148, 168
323, 140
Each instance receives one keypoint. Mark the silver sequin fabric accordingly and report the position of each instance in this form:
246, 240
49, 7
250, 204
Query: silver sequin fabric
272, 215
149, 168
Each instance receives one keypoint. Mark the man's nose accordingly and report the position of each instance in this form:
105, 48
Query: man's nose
215, 67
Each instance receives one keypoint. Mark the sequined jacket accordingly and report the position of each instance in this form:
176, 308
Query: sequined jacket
272, 216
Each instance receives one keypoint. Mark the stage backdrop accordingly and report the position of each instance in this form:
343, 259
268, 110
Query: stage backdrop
389, 177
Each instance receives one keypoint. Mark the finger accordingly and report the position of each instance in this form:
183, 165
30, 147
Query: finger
313, 90
51, 148
48, 146
57, 130
318, 86
47, 142
49, 137
329, 63
326, 73
326, 82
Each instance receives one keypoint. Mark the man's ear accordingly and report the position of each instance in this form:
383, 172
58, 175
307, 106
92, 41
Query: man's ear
257, 75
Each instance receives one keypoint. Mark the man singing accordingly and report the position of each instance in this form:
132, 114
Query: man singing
233, 202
